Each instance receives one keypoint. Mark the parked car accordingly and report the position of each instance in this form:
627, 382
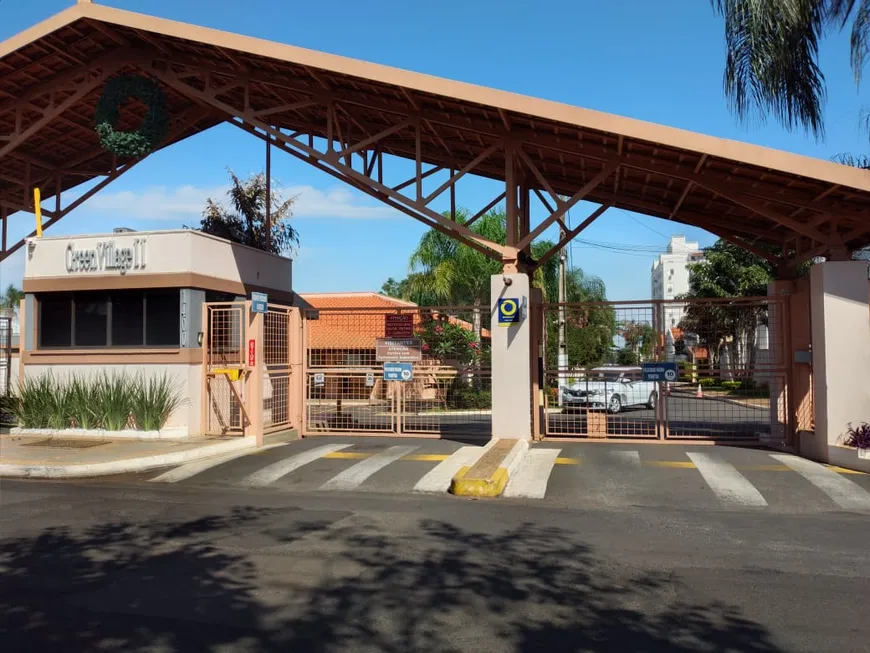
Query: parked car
611, 389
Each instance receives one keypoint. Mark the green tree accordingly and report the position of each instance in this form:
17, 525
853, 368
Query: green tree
639, 339
11, 299
244, 220
727, 271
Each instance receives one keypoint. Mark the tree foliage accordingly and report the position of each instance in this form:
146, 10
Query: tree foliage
727, 271
243, 219
11, 298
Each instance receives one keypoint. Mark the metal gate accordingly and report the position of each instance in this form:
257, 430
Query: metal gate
448, 392
732, 370
5, 355
247, 375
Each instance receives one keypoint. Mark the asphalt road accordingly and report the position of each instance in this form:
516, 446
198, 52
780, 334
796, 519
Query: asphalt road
124, 567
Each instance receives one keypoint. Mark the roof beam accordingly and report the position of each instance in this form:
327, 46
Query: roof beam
570, 235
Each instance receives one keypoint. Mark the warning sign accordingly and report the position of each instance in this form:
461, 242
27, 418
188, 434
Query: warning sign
398, 325
399, 350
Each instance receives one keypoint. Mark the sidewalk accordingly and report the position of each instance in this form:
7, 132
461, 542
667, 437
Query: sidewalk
43, 457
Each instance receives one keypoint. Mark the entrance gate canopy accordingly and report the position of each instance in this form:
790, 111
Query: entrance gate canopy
345, 116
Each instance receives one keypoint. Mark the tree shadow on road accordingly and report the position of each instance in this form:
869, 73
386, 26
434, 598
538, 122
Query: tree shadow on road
275, 580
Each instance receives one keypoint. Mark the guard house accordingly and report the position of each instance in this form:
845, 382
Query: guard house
134, 302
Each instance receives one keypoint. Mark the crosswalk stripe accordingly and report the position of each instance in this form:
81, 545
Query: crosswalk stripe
273, 472
628, 457
438, 478
729, 485
354, 476
530, 480
186, 471
842, 491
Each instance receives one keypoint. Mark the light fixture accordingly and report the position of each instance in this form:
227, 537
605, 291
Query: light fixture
507, 280
199, 338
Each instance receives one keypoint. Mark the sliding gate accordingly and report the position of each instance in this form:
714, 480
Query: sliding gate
437, 381
730, 354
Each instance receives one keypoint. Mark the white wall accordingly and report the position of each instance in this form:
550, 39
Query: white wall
165, 252
186, 377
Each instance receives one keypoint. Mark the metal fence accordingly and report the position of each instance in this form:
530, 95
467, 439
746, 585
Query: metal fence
448, 391
276, 368
224, 363
5, 355
732, 369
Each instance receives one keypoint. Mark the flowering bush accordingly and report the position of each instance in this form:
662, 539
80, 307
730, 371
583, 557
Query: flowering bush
858, 436
445, 340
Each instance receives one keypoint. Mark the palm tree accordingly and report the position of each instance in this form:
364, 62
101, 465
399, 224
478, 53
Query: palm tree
11, 300
245, 220
772, 58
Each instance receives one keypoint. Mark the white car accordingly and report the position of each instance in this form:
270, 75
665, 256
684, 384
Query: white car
610, 388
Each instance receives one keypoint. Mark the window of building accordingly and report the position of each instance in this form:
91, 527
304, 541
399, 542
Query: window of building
133, 318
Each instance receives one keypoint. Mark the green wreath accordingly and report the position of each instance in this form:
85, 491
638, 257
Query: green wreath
153, 128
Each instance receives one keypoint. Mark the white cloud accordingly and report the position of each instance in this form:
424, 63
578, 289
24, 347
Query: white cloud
185, 203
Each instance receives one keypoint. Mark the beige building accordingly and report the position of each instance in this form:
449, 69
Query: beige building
132, 302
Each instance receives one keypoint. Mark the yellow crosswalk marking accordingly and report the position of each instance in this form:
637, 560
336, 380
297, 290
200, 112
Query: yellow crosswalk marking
568, 461
427, 457
347, 455
671, 464
843, 470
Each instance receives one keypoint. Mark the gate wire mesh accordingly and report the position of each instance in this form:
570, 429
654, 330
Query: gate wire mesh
276, 373
5, 355
224, 413
731, 382
450, 392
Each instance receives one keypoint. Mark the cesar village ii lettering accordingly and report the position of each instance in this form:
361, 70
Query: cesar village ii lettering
106, 257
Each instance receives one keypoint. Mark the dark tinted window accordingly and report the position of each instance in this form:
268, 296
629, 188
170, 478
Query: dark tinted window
128, 326
161, 318
91, 320
55, 321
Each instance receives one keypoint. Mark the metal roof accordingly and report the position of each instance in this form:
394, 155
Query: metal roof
767, 198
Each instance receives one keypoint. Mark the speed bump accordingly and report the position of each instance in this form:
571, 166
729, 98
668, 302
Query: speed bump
489, 475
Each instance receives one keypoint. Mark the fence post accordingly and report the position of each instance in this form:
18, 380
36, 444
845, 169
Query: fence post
254, 381
204, 385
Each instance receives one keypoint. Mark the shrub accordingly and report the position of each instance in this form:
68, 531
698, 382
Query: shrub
153, 402
708, 382
114, 396
858, 436
82, 399
732, 386
35, 404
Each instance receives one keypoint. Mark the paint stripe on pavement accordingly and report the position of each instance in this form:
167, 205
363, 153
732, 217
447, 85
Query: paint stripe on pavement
186, 471
438, 478
353, 477
626, 457
842, 491
530, 480
273, 472
729, 485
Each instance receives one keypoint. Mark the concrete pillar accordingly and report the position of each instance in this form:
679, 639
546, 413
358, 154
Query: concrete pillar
841, 351
511, 361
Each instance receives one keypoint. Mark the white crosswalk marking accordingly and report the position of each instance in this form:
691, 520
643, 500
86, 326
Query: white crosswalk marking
530, 480
729, 485
353, 477
842, 491
439, 477
273, 472
627, 457
186, 471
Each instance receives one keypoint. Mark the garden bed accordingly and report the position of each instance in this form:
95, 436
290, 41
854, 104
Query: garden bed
169, 433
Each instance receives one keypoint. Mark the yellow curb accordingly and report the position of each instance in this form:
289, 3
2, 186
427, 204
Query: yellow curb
843, 470
491, 486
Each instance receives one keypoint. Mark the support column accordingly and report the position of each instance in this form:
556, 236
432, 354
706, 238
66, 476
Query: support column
511, 361
256, 369
841, 352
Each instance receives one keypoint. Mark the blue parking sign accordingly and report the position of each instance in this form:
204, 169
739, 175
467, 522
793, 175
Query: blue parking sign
259, 302
660, 372
398, 371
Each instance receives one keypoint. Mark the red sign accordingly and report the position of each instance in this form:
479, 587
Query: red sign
398, 325
252, 352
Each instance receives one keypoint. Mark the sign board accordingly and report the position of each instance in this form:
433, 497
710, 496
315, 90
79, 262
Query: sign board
106, 257
259, 302
399, 350
398, 326
370, 380
660, 372
509, 311
319, 379
398, 372
252, 352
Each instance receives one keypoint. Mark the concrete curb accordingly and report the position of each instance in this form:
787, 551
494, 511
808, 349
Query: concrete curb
489, 476
126, 465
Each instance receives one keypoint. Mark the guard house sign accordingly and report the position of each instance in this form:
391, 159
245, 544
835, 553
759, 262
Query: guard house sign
107, 257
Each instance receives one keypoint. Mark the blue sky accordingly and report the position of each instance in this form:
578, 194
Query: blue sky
656, 61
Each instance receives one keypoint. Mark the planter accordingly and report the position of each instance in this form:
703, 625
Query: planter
864, 454
171, 433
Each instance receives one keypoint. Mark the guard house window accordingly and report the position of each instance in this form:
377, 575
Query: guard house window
132, 318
